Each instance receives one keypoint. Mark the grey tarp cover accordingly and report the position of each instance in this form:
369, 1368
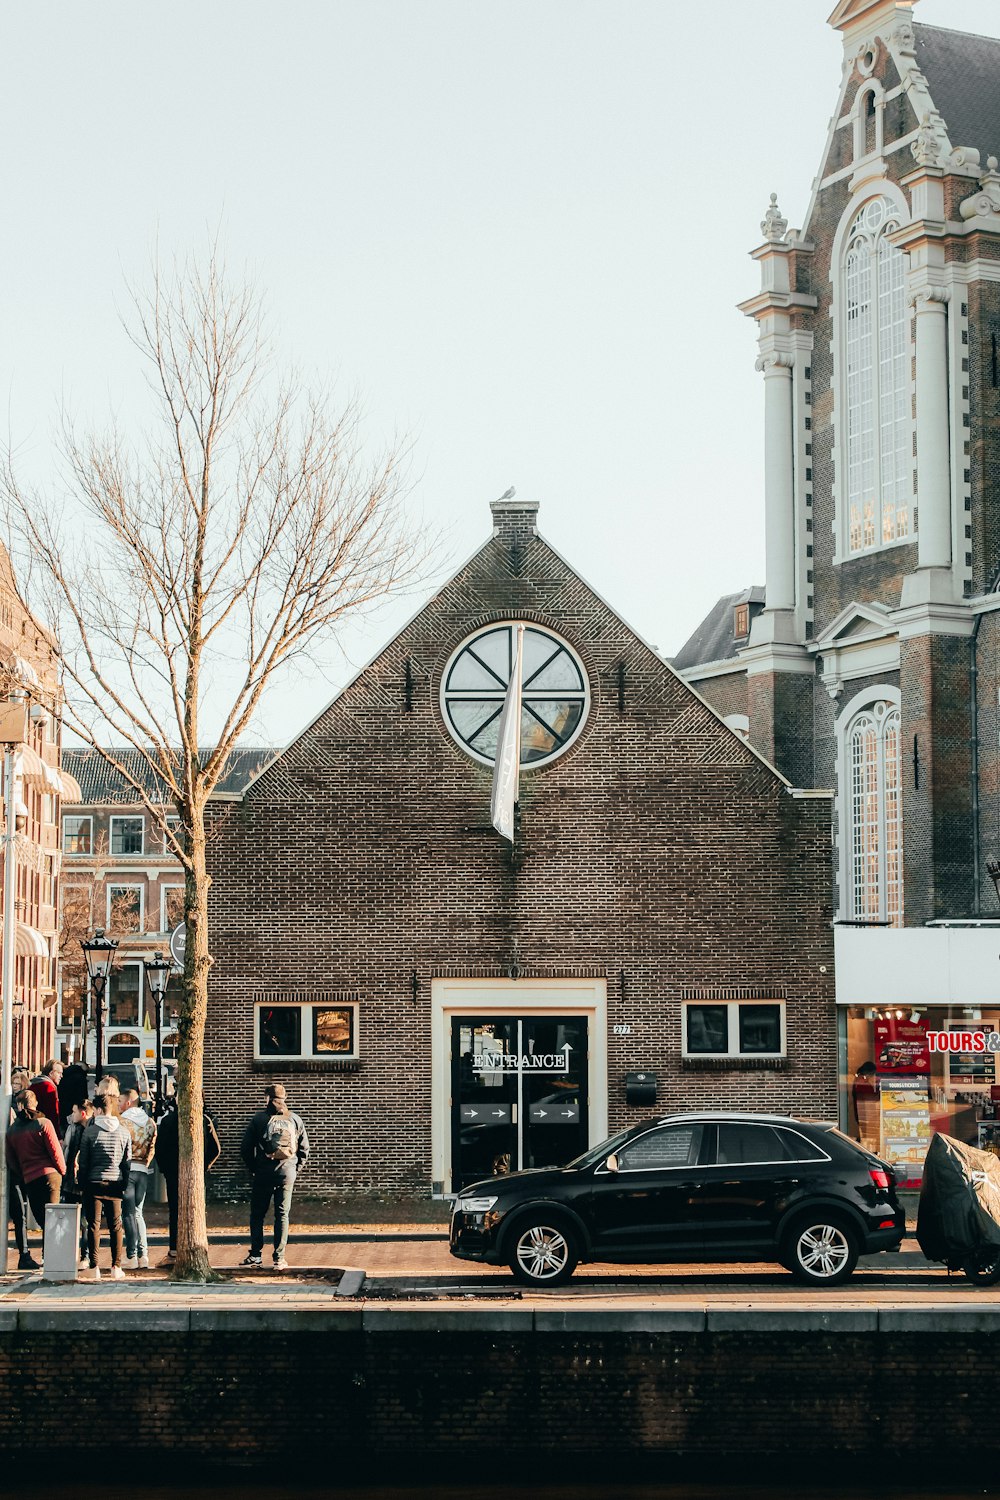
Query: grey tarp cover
959, 1210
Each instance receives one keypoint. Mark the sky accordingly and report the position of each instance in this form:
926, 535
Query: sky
518, 230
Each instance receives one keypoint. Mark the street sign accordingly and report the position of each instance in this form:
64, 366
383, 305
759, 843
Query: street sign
178, 938
485, 1114
562, 1112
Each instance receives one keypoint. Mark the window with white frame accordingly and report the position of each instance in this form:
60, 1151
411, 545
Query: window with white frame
171, 907
173, 823
877, 386
127, 835
125, 904
734, 1028
874, 814
313, 1030
124, 995
78, 835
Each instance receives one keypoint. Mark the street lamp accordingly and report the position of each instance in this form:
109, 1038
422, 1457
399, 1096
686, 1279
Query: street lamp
993, 870
99, 952
157, 974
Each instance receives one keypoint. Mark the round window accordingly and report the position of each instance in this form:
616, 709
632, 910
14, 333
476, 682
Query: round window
554, 693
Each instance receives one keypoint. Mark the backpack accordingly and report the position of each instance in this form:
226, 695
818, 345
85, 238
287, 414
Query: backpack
280, 1140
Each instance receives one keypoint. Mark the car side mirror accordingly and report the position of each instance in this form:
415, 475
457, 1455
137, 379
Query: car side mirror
612, 1162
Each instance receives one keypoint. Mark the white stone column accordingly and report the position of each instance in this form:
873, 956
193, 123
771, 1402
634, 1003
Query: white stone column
933, 457
779, 484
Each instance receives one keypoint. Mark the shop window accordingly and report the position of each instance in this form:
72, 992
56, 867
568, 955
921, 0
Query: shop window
306, 1031
127, 835
876, 382
873, 864
78, 835
123, 1047
124, 909
734, 1028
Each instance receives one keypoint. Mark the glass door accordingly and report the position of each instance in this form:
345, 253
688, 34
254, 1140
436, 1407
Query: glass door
518, 1094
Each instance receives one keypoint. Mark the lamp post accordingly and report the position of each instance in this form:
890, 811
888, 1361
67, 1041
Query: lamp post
13, 733
157, 974
99, 952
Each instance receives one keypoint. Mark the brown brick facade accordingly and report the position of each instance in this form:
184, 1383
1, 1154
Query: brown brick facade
658, 855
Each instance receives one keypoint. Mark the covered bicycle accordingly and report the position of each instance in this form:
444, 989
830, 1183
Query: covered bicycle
958, 1220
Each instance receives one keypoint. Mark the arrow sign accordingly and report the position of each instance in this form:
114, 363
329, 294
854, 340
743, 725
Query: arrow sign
560, 1114
493, 1114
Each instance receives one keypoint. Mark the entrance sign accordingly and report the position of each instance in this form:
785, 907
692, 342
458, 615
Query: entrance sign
528, 1062
178, 941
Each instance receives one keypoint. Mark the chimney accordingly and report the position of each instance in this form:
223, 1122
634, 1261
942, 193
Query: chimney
514, 521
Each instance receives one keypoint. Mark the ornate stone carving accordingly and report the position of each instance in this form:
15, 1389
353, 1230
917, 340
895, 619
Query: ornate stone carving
773, 224
964, 159
904, 39
926, 298
927, 146
987, 202
775, 360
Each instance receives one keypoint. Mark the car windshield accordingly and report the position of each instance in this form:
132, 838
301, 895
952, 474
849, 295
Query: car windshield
598, 1153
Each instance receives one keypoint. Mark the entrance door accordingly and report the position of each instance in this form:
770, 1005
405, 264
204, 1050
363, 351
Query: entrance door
518, 1094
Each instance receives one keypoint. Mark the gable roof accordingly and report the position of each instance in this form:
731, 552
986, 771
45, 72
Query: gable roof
963, 75
713, 639
101, 784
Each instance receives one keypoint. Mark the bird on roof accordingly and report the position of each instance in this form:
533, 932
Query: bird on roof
508, 494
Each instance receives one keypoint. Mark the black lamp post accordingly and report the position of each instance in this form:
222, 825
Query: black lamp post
993, 870
157, 973
99, 952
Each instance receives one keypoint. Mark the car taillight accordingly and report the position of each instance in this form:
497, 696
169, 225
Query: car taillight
879, 1177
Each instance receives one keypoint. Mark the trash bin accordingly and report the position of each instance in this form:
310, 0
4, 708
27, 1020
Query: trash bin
62, 1241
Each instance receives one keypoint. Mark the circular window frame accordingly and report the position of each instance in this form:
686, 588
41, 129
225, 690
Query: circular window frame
446, 695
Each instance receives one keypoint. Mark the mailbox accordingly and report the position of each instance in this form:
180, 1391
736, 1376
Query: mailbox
640, 1089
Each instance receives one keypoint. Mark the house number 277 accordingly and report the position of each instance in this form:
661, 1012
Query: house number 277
623, 1029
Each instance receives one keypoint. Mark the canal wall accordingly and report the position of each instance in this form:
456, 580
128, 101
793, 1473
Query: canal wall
382, 1388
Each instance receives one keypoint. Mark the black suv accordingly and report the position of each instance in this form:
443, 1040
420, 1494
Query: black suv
722, 1187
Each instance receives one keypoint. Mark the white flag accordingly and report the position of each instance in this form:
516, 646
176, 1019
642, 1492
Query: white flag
508, 757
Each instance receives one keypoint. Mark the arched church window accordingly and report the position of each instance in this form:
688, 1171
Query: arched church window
874, 815
554, 692
879, 415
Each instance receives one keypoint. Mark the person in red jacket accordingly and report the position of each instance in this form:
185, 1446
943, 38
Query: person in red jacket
34, 1156
46, 1090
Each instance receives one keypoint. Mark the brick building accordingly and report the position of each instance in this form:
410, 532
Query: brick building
874, 667
120, 874
442, 1007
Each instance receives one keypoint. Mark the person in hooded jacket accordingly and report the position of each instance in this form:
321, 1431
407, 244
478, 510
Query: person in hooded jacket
102, 1172
34, 1156
80, 1116
17, 1202
275, 1147
167, 1156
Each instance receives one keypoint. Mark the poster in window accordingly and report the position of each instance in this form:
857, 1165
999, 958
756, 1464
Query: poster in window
906, 1126
333, 1031
901, 1046
975, 1068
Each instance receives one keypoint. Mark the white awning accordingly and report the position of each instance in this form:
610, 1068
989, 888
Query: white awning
29, 766
69, 787
29, 943
52, 781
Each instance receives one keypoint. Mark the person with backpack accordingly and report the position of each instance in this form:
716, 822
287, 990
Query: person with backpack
275, 1147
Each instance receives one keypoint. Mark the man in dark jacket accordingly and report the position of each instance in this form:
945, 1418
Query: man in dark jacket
167, 1157
46, 1090
275, 1147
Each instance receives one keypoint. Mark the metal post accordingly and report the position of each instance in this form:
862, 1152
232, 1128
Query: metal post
97, 988
159, 1059
7, 981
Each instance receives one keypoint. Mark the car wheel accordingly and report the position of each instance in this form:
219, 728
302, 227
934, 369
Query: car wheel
984, 1268
820, 1250
542, 1252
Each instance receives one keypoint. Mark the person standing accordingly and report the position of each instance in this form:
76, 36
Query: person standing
168, 1158
275, 1148
35, 1156
17, 1203
80, 1117
102, 1170
142, 1129
46, 1091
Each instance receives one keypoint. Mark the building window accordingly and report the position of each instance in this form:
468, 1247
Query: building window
734, 1028
78, 835
741, 621
171, 907
874, 833
878, 394
123, 1047
168, 1048
126, 835
174, 827
123, 995
306, 1031
124, 909
554, 693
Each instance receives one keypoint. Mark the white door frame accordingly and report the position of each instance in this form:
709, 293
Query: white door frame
513, 997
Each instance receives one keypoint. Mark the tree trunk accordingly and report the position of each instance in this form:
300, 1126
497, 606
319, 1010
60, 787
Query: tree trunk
192, 1262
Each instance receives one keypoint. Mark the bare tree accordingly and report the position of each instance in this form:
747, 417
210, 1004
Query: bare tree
189, 567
